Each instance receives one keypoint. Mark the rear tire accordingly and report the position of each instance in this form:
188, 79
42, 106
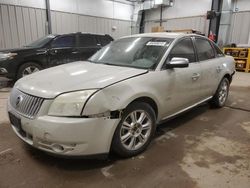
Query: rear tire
221, 95
135, 130
27, 69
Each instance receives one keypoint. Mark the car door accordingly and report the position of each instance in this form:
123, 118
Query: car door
87, 46
210, 66
62, 50
182, 85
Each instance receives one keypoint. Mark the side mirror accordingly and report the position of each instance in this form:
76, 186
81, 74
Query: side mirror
177, 62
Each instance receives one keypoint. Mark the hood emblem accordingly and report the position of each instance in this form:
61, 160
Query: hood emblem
19, 100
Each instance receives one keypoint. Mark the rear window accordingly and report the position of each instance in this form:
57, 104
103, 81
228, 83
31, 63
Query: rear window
218, 52
104, 40
204, 49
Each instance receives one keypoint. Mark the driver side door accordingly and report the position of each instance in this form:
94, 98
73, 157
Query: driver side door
62, 50
182, 85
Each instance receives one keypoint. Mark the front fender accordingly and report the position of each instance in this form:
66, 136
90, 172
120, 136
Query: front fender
117, 97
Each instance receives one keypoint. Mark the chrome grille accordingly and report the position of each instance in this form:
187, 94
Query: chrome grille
25, 104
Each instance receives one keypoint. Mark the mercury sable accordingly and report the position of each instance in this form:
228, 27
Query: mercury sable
113, 101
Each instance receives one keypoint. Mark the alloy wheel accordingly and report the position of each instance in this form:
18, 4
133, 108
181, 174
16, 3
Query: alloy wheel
29, 70
135, 129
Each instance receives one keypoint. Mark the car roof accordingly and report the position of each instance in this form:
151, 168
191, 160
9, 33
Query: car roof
162, 35
75, 33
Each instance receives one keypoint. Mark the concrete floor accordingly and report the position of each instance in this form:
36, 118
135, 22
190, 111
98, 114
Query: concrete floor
202, 148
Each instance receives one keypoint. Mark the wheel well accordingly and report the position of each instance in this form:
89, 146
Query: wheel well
229, 77
149, 101
29, 61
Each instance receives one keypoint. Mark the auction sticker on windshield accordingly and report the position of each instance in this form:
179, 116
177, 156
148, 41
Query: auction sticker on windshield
153, 43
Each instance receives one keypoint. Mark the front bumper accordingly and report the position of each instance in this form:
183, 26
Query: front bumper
66, 136
8, 68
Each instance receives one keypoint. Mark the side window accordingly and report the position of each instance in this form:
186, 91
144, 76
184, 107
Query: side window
104, 40
87, 41
183, 49
218, 52
204, 49
64, 41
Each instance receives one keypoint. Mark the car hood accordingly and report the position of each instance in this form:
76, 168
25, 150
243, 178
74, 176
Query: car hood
16, 50
74, 76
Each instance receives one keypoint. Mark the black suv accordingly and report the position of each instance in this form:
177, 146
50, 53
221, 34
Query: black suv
50, 51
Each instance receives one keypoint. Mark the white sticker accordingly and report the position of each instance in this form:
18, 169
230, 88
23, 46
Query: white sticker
151, 43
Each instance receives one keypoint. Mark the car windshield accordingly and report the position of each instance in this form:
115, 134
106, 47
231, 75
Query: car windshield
137, 52
41, 42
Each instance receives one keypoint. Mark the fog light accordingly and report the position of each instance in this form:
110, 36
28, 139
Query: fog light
57, 148
3, 71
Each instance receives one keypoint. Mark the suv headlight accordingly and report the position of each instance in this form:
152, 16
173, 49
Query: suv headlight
5, 56
69, 104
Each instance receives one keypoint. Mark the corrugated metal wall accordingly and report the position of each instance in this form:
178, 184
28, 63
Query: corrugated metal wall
240, 28
21, 25
198, 23
67, 22
239, 32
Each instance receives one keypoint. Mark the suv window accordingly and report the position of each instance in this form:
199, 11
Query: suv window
104, 40
183, 49
204, 49
87, 41
64, 41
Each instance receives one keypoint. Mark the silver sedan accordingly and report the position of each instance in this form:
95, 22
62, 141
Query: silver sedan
115, 100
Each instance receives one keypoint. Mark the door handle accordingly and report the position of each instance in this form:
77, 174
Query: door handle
196, 76
75, 52
219, 69
53, 52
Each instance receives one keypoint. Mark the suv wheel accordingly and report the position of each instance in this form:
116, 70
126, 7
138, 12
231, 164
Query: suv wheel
135, 130
27, 69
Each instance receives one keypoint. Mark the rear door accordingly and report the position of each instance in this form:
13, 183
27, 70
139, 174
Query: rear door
87, 46
210, 66
62, 50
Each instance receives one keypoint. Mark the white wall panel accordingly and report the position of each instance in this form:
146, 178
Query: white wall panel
27, 25
198, 23
240, 28
33, 23
90, 24
242, 5
2, 41
6, 26
97, 8
181, 8
21, 25
13, 27
26, 3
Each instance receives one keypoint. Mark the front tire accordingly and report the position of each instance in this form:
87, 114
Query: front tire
135, 130
221, 95
27, 69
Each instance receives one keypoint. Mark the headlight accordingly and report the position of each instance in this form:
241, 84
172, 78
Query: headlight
5, 56
69, 104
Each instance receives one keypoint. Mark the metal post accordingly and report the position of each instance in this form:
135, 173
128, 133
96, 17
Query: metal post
161, 16
215, 23
48, 16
